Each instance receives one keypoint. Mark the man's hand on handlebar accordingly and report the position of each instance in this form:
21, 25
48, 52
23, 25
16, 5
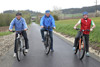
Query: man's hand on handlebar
54, 27
25, 29
91, 29
75, 28
10, 30
42, 26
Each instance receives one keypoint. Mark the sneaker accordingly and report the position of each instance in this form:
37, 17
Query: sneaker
43, 41
74, 48
45, 50
52, 50
26, 50
87, 54
14, 55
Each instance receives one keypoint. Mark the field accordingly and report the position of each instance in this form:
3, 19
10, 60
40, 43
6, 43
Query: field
66, 27
78, 15
73, 15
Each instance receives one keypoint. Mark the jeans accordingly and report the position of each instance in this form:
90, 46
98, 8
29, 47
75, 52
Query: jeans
86, 36
51, 36
24, 34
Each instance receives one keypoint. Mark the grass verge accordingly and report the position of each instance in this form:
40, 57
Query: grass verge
5, 33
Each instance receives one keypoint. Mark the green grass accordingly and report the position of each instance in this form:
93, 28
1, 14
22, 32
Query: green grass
73, 15
66, 27
5, 33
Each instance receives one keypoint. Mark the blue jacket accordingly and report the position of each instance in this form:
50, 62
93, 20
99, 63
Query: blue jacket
19, 24
47, 21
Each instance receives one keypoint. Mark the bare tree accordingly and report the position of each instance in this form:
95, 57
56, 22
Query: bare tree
57, 12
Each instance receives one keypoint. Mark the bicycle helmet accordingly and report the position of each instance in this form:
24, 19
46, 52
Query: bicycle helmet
47, 11
85, 13
18, 14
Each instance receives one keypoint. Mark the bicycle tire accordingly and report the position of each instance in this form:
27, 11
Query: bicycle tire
24, 48
48, 44
83, 50
18, 49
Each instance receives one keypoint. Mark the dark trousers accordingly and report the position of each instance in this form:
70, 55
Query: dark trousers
24, 34
51, 36
86, 40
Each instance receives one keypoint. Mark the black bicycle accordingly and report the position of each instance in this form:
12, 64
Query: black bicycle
47, 41
81, 47
20, 45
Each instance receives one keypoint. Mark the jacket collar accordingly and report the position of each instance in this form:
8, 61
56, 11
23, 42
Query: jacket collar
85, 19
47, 17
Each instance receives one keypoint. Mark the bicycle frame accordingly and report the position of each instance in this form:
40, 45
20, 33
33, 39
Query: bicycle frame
21, 40
21, 44
47, 31
47, 45
81, 44
80, 41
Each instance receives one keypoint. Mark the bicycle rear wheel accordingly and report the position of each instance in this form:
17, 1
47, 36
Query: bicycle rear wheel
47, 44
18, 49
82, 49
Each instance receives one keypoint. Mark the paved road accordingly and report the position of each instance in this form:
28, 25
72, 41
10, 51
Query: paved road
62, 57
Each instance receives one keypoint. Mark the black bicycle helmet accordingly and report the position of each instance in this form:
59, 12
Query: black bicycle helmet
18, 14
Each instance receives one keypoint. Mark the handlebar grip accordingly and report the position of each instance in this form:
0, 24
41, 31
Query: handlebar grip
77, 29
88, 30
13, 31
49, 27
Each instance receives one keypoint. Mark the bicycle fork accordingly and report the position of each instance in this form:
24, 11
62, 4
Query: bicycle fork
81, 44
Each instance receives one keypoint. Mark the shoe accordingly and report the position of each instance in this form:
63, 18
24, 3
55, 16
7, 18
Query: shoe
74, 48
43, 41
52, 50
26, 50
87, 54
45, 50
14, 55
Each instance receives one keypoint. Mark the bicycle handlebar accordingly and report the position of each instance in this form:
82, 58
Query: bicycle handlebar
82, 30
49, 27
17, 31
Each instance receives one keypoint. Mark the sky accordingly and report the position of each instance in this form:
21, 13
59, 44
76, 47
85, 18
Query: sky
42, 5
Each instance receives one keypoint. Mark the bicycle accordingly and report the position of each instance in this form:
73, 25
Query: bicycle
81, 45
20, 45
47, 41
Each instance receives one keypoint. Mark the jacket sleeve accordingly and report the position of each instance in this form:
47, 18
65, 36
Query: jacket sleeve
24, 24
53, 22
92, 23
11, 24
79, 22
41, 21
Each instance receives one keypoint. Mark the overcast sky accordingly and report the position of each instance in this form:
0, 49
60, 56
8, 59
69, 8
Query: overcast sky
42, 5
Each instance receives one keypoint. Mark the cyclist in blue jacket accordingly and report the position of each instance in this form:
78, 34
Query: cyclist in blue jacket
46, 21
20, 24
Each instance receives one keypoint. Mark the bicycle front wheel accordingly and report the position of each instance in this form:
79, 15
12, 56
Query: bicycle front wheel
82, 48
48, 44
18, 49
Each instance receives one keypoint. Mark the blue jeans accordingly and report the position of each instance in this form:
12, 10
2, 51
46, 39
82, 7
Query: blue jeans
51, 36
